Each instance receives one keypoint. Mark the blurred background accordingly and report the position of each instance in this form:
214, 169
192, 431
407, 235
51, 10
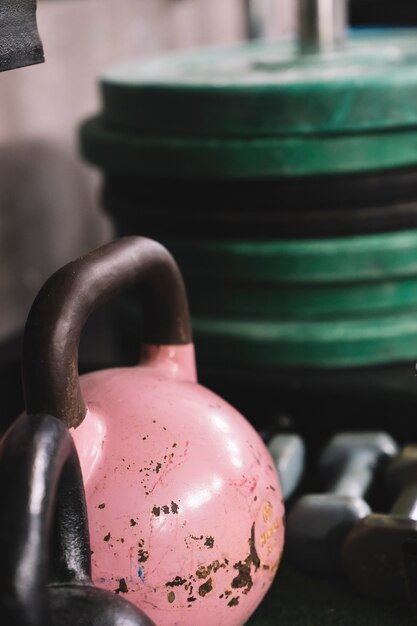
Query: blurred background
50, 208
49, 199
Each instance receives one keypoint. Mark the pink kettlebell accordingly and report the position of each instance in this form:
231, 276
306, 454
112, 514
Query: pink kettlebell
184, 503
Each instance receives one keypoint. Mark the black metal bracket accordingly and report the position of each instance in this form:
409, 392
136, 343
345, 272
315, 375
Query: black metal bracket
20, 43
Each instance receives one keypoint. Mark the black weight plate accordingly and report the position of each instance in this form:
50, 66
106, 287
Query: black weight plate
336, 192
383, 12
385, 379
175, 220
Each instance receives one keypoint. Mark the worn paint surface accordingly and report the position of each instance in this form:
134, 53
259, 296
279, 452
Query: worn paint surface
185, 507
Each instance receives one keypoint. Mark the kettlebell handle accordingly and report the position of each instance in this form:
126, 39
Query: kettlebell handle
43, 513
62, 307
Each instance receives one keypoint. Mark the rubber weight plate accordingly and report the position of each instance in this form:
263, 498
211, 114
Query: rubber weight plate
266, 301
349, 259
220, 220
382, 12
222, 300
123, 153
381, 380
234, 347
384, 379
342, 343
268, 90
330, 193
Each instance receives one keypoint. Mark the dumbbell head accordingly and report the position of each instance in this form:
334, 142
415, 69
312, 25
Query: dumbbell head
372, 555
316, 528
318, 524
373, 551
288, 452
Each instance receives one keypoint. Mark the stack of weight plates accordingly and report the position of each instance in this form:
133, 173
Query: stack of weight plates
286, 188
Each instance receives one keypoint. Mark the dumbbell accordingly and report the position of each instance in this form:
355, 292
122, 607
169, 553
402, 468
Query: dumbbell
373, 551
288, 452
318, 524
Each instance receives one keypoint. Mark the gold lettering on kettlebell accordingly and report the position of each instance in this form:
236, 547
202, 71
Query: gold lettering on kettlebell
267, 512
270, 532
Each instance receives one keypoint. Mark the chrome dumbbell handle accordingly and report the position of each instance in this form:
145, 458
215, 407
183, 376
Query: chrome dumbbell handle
406, 503
357, 474
401, 478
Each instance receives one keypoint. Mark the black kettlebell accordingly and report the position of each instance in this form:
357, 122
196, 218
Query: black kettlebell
20, 43
45, 568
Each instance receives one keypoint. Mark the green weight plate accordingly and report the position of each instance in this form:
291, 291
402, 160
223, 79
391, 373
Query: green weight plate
268, 89
341, 343
349, 259
123, 153
294, 302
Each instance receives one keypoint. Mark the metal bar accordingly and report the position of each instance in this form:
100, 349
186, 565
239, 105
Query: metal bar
406, 503
356, 474
257, 15
322, 25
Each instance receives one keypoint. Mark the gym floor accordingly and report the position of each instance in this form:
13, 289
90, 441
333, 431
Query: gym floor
297, 599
